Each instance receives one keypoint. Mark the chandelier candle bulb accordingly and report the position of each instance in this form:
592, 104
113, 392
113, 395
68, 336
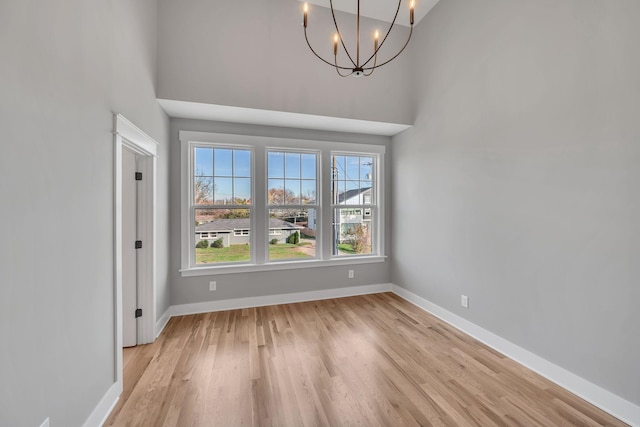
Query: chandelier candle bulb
375, 40
411, 7
306, 11
335, 44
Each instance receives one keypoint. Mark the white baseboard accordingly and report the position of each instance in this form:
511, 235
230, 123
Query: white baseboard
105, 406
596, 395
237, 303
162, 322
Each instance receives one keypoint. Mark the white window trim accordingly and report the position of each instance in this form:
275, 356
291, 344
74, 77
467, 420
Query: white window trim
377, 208
315, 206
259, 218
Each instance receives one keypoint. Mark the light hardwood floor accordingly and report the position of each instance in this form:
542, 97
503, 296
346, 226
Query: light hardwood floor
373, 360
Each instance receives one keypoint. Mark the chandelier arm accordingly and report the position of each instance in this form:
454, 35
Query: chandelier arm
335, 23
384, 39
320, 57
335, 59
342, 75
372, 68
393, 57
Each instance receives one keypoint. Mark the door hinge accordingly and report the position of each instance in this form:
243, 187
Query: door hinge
138, 244
138, 312
138, 176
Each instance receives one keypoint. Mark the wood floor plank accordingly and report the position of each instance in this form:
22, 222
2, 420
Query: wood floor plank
373, 360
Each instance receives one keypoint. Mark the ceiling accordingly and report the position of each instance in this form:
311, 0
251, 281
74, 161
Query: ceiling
382, 10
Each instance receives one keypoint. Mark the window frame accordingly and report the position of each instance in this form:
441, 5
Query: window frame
191, 206
317, 205
372, 206
259, 147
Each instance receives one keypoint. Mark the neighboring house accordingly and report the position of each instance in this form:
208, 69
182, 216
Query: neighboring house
237, 231
349, 217
359, 196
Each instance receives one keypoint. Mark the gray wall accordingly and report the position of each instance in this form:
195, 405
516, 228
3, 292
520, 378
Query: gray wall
526, 151
252, 54
66, 67
196, 289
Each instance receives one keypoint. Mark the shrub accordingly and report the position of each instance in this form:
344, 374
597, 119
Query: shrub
294, 238
360, 240
202, 244
217, 244
273, 242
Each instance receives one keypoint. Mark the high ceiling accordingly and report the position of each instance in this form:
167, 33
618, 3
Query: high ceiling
382, 10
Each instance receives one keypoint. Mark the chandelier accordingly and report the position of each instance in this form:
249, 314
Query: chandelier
356, 67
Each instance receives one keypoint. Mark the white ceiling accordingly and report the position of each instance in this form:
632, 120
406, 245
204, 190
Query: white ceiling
382, 10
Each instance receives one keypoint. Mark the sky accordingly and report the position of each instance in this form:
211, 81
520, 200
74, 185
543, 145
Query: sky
228, 173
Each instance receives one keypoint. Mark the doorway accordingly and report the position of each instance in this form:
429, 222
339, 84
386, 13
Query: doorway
134, 238
130, 222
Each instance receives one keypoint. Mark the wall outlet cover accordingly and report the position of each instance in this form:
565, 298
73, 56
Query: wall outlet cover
464, 301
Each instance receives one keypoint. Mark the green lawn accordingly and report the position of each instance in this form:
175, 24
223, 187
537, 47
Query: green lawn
235, 253
287, 251
346, 248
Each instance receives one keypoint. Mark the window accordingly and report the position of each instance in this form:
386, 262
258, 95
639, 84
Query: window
291, 198
352, 195
256, 203
222, 201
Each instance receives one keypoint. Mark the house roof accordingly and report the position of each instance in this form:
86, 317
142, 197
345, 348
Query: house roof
350, 194
243, 224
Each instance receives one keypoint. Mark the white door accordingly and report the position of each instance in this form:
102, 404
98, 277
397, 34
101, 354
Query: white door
129, 237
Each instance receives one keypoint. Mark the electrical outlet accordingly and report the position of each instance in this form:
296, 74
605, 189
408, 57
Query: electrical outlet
352, 274
464, 301
212, 285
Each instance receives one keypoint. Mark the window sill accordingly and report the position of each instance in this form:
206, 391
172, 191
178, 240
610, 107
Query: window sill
275, 266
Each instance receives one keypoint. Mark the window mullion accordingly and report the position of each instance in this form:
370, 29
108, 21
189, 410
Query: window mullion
326, 217
260, 220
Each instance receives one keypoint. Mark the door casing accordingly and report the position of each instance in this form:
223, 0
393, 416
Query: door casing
126, 134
